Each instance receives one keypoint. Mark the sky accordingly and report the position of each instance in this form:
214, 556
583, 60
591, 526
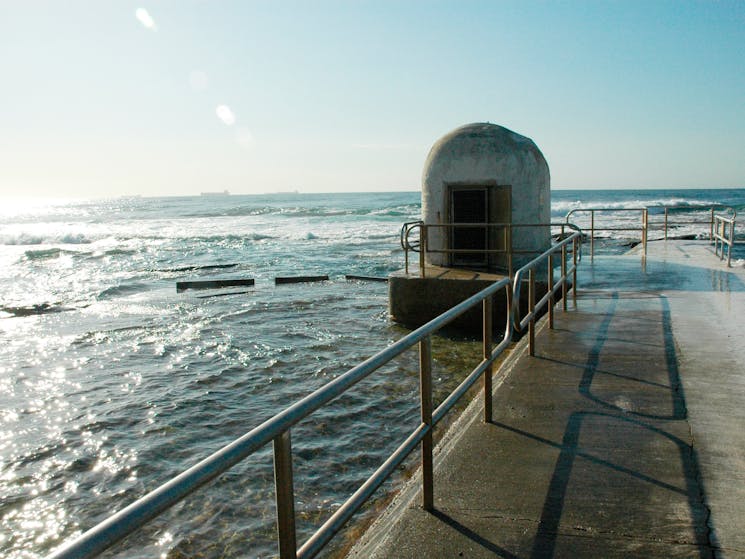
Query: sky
178, 97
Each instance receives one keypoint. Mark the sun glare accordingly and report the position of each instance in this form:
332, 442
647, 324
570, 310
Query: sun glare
225, 114
17, 206
145, 19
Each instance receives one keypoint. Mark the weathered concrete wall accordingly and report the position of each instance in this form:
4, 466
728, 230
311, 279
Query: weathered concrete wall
488, 154
415, 301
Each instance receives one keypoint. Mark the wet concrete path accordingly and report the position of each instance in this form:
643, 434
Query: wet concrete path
624, 436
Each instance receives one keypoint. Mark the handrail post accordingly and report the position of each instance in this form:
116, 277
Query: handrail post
531, 310
666, 223
731, 242
488, 305
718, 228
285, 496
422, 248
406, 248
711, 225
645, 224
551, 301
564, 292
592, 234
575, 246
425, 392
510, 271
722, 234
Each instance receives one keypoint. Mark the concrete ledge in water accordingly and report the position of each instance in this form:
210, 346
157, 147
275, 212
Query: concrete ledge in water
365, 278
213, 284
299, 279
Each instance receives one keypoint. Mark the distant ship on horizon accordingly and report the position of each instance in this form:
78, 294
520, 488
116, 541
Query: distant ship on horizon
216, 193
285, 192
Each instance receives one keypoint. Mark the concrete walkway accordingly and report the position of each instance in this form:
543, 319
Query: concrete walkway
623, 437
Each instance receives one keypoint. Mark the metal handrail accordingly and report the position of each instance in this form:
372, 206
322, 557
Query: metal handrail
710, 221
529, 320
723, 234
406, 230
648, 225
406, 244
277, 430
422, 246
644, 226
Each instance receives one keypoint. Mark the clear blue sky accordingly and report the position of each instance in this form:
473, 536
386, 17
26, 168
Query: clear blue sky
178, 97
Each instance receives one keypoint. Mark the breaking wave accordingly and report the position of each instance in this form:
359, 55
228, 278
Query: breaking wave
24, 238
562, 207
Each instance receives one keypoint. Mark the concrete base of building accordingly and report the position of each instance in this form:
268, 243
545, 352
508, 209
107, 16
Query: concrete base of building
415, 299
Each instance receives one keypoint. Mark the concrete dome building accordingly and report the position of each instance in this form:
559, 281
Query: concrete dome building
483, 173
486, 210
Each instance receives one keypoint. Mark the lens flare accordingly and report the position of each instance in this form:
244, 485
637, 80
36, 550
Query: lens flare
225, 114
145, 19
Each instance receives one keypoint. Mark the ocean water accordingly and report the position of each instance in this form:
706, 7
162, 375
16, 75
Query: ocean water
111, 382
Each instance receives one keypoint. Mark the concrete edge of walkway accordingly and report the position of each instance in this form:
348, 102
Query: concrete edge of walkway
381, 529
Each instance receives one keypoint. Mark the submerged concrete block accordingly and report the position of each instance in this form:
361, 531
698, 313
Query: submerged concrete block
299, 279
213, 284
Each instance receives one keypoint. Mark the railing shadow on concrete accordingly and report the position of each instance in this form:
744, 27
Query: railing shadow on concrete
613, 419
675, 387
570, 448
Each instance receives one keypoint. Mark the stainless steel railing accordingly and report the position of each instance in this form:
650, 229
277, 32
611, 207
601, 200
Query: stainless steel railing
415, 237
412, 244
692, 220
723, 234
277, 430
643, 227
534, 308
646, 225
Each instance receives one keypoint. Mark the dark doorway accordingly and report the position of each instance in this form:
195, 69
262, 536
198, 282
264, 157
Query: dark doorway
469, 205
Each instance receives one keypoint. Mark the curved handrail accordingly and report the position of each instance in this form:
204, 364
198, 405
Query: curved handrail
560, 247
573, 227
406, 230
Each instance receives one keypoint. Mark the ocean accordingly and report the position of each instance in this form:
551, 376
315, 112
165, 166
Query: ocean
112, 381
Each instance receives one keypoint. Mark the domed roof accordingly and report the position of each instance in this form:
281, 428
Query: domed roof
483, 139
